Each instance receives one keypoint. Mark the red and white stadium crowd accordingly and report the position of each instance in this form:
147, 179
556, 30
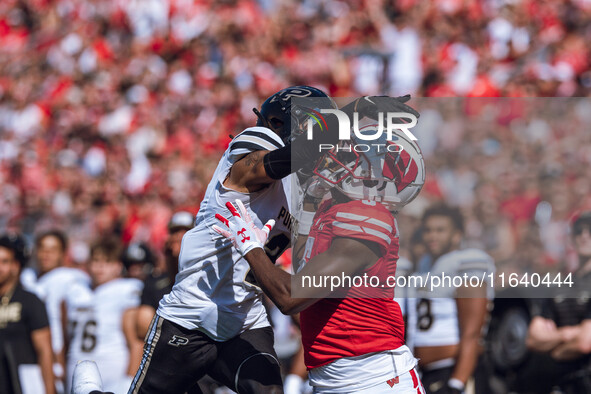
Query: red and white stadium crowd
113, 114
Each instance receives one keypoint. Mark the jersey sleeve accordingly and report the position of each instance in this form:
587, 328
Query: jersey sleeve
131, 290
251, 140
36, 313
474, 262
148, 296
368, 223
67, 279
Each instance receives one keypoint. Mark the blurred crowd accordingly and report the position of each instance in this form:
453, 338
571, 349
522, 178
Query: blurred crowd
518, 170
113, 113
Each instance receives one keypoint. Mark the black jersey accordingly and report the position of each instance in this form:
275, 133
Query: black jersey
20, 314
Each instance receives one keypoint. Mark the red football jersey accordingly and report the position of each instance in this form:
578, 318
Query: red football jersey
333, 328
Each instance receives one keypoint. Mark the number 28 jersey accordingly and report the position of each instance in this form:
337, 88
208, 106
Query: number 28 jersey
213, 291
335, 328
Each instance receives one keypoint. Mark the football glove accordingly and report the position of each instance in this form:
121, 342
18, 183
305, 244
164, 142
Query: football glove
241, 230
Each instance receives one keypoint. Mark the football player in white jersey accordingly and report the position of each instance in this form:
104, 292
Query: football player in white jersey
213, 321
101, 319
50, 281
448, 323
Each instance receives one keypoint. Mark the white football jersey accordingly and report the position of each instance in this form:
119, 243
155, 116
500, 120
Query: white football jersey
434, 314
95, 327
213, 291
52, 288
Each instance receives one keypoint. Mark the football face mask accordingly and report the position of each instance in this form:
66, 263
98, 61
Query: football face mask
389, 172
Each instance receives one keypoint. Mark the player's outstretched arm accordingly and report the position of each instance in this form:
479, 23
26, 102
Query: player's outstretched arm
248, 174
345, 256
260, 168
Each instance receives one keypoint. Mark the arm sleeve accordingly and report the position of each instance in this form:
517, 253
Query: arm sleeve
36, 312
251, 140
278, 163
146, 297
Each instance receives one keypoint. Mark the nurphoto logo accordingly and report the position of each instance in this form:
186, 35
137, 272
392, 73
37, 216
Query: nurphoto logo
392, 123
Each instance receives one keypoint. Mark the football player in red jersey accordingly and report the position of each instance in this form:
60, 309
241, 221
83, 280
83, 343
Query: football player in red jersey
353, 343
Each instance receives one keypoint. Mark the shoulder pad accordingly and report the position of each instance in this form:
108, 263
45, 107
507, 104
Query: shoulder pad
474, 260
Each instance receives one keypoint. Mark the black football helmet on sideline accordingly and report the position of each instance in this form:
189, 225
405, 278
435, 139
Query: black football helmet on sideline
138, 260
276, 111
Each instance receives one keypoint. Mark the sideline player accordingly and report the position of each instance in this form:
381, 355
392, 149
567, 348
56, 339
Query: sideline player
160, 281
101, 319
138, 261
25, 338
50, 281
449, 322
213, 321
356, 343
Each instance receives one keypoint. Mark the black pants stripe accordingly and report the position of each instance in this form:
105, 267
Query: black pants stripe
175, 358
151, 340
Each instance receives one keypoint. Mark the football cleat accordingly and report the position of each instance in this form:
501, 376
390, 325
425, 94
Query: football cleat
87, 378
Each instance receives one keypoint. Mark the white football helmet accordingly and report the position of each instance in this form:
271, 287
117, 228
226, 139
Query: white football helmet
391, 172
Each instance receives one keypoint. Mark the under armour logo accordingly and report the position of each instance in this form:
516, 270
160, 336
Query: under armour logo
393, 381
244, 237
178, 341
